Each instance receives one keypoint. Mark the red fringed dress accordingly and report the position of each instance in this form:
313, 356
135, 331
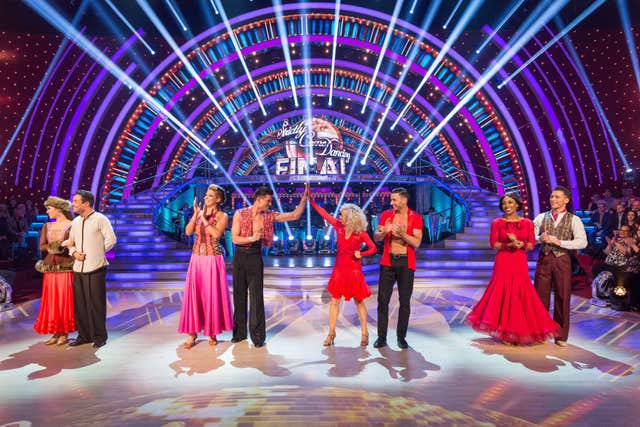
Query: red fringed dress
510, 308
347, 279
56, 305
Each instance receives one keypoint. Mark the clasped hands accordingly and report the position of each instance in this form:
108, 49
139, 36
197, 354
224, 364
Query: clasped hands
547, 238
515, 243
395, 229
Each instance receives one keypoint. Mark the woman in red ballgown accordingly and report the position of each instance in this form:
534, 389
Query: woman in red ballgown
347, 280
510, 308
56, 305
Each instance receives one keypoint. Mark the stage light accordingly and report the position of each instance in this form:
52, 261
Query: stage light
326, 237
336, 22
558, 36
383, 51
215, 9
176, 14
282, 35
53, 65
275, 238
290, 236
594, 98
185, 61
236, 45
525, 33
628, 35
497, 28
309, 237
413, 7
460, 26
128, 24
453, 12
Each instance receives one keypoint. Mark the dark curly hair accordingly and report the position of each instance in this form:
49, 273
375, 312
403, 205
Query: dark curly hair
513, 196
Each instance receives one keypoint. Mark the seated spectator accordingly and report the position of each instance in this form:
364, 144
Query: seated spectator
619, 216
632, 282
603, 221
607, 196
593, 204
618, 253
631, 219
18, 224
635, 206
5, 237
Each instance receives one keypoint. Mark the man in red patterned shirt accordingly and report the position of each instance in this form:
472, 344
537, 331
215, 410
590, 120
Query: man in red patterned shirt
401, 230
251, 229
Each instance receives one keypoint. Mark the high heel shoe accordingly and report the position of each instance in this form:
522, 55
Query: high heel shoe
329, 339
52, 340
62, 339
190, 342
364, 340
213, 341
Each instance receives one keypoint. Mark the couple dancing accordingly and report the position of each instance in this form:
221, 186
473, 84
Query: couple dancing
206, 303
511, 309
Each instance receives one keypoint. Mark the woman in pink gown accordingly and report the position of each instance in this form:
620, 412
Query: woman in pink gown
206, 306
510, 308
347, 280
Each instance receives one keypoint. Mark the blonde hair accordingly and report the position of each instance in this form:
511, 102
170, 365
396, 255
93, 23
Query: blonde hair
356, 220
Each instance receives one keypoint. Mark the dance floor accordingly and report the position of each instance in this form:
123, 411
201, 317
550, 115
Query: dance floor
449, 376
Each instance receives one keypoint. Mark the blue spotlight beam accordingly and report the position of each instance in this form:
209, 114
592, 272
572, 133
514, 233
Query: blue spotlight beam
176, 14
500, 24
42, 84
215, 9
52, 16
413, 7
453, 12
128, 24
460, 26
282, 33
628, 34
187, 64
336, 23
236, 45
594, 98
426, 23
548, 9
558, 36
385, 45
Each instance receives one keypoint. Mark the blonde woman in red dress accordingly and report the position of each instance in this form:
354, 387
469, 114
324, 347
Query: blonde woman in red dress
510, 308
56, 305
347, 280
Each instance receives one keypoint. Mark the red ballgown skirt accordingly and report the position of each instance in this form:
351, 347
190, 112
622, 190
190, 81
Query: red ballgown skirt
510, 308
56, 305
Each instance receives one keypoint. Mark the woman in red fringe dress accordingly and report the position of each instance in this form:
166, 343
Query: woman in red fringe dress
56, 306
347, 280
510, 308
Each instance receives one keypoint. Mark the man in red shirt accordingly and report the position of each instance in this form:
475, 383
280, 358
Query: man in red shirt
401, 230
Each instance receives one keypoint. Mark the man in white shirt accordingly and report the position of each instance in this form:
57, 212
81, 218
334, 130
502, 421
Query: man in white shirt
557, 231
90, 237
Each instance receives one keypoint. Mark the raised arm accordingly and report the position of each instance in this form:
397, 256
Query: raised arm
295, 214
323, 213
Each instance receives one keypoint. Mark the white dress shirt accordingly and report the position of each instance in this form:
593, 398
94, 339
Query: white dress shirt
92, 236
577, 228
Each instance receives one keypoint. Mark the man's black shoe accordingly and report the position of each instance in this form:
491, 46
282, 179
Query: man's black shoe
77, 342
259, 344
237, 340
98, 344
380, 342
402, 343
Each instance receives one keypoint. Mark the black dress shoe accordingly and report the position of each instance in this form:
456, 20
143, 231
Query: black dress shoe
380, 342
402, 343
77, 342
98, 344
258, 344
237, 340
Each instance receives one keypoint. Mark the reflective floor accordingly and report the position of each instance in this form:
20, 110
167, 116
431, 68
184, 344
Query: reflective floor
450, 375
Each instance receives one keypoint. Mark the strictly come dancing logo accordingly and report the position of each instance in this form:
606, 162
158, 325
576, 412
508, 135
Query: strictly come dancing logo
317, 146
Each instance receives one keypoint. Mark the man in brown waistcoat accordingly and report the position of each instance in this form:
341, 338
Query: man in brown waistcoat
558, 232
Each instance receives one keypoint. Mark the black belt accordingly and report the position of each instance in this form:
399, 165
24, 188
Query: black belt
398, 256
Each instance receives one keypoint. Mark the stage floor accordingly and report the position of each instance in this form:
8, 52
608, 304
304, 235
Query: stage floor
450, 375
